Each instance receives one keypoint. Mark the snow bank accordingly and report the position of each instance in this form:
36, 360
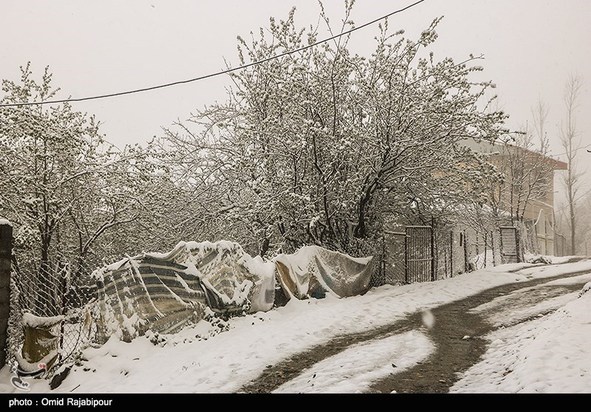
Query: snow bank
483, 260
541, 271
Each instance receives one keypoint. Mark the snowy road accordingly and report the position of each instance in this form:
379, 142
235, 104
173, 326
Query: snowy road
460, 333
457, 330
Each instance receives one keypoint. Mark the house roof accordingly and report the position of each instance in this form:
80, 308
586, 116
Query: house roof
487, 147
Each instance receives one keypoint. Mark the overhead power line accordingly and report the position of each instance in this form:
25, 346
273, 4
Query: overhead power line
579, 197
219, 73
575, 150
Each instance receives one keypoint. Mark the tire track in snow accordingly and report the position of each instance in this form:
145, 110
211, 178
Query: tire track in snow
355, 368
459, 335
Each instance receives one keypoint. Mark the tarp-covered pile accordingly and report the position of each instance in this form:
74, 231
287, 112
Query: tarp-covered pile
165, 292
312, 271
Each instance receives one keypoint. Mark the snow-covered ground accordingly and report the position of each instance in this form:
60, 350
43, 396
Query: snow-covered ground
549, 355
199, 359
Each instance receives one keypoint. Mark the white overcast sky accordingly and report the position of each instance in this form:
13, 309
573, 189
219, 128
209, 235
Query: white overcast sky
94, 47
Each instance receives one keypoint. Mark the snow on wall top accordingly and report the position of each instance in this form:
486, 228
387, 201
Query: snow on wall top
4, 222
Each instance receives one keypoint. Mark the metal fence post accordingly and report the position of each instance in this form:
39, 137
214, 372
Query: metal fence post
466, 261
406, 256
492, 242
518, 245
383, 260
433, 252
451, 254
5, 265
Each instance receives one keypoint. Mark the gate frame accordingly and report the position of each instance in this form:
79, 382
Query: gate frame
432, 258
517, 255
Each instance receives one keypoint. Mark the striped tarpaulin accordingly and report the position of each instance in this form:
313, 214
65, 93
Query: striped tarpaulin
164, 292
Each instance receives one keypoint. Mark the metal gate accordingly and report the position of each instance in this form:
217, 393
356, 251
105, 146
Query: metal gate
510, 245
392, 270
420, 254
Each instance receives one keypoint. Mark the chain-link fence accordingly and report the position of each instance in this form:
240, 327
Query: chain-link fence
560, 245
391, 257
64, 290
442, 252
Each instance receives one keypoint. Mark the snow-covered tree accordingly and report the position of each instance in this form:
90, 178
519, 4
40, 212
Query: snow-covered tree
64, 187
314, 147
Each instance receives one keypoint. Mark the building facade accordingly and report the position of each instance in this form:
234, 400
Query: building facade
526, 195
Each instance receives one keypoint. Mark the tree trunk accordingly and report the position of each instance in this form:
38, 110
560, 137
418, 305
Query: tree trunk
573, 248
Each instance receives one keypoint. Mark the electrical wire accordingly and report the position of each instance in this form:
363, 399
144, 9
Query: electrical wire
579, 197
575, 150
210, 75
